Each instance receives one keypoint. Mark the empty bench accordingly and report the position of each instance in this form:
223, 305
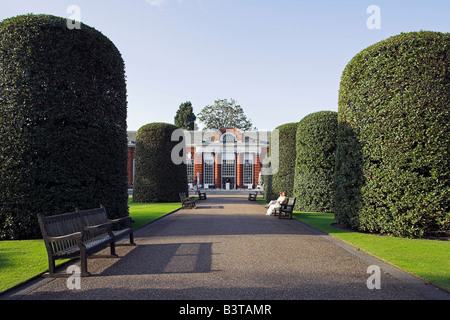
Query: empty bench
201, 195
252, 196
186, 202
80, 234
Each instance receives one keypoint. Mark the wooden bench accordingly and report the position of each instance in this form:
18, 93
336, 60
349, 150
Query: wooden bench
252, 196
186, 202
286, 209
201, 195
120, 227
79, 235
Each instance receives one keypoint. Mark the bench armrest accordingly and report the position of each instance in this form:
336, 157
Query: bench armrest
76, 235
98, 226
123, 219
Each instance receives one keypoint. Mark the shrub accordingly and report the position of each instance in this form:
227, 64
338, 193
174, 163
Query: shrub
282, 149
267, 180
62, 122
314, 166
157, 177
392, 163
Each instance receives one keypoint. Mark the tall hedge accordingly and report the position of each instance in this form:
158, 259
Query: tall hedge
282, 151
314, 165
393, 164
62, 122
157, 178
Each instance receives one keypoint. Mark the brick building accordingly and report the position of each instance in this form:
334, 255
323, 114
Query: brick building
226, 158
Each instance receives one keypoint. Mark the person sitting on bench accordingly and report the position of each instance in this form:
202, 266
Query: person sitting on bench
274, 204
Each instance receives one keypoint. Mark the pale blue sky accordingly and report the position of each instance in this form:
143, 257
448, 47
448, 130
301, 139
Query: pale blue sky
280, 60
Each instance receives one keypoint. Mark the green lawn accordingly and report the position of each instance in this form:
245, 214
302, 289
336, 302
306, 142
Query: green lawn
22, 260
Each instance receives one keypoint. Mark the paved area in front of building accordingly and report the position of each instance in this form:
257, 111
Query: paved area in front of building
227, 248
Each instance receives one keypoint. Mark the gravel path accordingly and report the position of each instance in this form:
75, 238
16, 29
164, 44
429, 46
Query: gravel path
228, 249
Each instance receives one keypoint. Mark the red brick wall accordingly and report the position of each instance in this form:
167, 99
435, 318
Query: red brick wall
218, 171
239, 170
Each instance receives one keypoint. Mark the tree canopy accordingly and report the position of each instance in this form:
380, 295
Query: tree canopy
185, 117
224, 114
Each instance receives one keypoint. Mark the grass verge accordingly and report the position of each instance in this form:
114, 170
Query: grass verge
427, 259
25, 259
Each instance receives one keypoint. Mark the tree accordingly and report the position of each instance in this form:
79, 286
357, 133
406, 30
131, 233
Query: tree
224, 114
185, 117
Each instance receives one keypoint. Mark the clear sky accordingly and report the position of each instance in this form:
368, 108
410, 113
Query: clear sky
280, 60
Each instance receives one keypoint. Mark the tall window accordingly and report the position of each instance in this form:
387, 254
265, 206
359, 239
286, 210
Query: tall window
228, 168
190, 170
208, 171
248, 172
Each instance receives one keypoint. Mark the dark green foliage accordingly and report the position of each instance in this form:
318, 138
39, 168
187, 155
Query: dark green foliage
185, 117
314, 167
224, 114
267, 180
392, 164
157, 177
62, 123
282, 150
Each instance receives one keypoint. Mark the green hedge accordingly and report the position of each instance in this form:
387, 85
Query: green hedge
267, 180
284, 143
393, 164
314, 165
62, 122
157, 177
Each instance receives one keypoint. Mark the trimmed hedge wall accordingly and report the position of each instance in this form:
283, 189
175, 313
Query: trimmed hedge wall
267, 180
63, 141
393, 164
283, 180
157, 178
314, 166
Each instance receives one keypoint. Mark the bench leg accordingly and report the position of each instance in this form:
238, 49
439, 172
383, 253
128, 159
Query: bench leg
132, 239
51, 266
112, 247
83, 263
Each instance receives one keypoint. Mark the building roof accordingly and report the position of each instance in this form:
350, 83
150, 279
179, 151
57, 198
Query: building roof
210, 136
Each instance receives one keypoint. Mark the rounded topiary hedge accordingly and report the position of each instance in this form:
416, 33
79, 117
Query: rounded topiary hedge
267, 181
314, 165
157, 177
62, 123
282, 151
393, 165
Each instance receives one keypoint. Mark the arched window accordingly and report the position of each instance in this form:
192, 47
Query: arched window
228, 137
